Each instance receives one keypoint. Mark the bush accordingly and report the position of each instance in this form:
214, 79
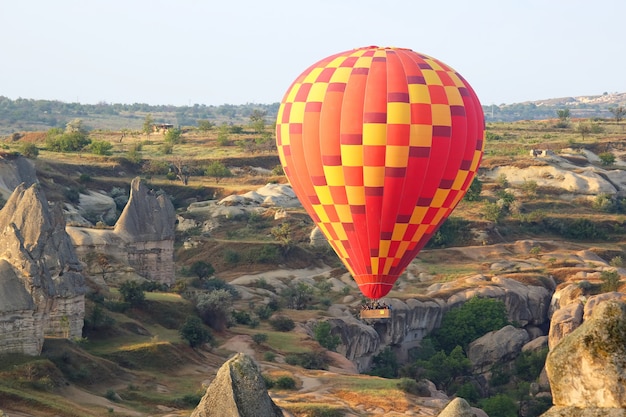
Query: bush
385, 364
202, 269
308, 360
528, 365
285, 382
466, 323
259, 338
414, 387
499, 406
132, 293
610, 281
214, 308
29, 150
474, 190
101, 147
324, 336
194, 332
606, 158
282, 324
242, 317
269, 356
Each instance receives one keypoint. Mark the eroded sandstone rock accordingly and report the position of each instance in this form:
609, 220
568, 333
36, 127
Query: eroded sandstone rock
587, 369
238, 390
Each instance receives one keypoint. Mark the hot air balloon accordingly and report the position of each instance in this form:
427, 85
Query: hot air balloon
379, 144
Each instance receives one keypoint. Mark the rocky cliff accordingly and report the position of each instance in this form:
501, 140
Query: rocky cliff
142, 242
412, 319
40, 275
238, 390
587, 368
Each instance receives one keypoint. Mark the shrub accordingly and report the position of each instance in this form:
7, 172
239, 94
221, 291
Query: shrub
385, 364
29, 150
259, 338
411, 386
269, 356
606, 158
308, 360
282, 324
202, 269
500, 405
132, 293
610, 281
474, 190
241, 317
194, 332
101, 147
468, 322
214, 308
528, 365
324, 336
285, 382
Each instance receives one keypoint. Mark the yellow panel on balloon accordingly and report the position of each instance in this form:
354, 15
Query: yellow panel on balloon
374, 134
396, 156
419, 93
356, 195
441, 115
399, 113
352, 155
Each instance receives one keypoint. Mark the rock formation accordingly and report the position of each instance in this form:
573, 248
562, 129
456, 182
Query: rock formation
143, 238
42, 287
496, 347
238, 390
412, 319
587, 368
458, 407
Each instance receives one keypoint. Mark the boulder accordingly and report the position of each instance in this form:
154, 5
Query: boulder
458, 407
496, 347
238, 390
587, 368
564, 321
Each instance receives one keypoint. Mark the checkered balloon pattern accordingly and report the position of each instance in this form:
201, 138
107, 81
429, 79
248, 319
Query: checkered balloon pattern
380, 145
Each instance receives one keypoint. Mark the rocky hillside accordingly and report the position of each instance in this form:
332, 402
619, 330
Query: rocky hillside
544, 237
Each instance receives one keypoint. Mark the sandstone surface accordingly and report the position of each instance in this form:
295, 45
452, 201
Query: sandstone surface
238, 390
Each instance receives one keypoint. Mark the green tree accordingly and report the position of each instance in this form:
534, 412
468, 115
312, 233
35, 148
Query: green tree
101, 147
474, 190
132, 293
202, 269
462, 325
194, 332
443, 369
610, 281
499, 405
584, 129
259, 338
215, 308
298, 296
324, 337
29, 150
173, 136
205, 125
217, 171
607, 158
148, 121
385, 364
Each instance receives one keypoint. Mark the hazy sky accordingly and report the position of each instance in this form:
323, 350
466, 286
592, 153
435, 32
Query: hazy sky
242, 51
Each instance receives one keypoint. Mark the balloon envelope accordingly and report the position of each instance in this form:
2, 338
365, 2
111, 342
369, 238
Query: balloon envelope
379, 145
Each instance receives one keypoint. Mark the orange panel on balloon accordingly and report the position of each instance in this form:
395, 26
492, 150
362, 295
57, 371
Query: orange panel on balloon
380, 145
